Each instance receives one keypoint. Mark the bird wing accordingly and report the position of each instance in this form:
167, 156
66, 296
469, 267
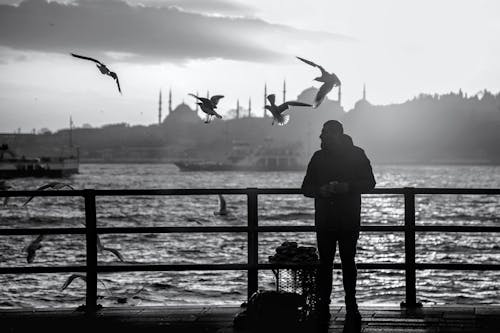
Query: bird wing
272, 99
87, 58
283, 107
115, 252
311, 63
71, 278
222, 203
323, 90
27, 201
48, 185
203, 99
115, 76
58, 186
215, 99
100, 247
293, 103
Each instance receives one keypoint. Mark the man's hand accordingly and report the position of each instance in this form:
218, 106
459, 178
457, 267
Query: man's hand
334, 187
339, 187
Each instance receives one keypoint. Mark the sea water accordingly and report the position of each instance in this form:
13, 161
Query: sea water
229, 287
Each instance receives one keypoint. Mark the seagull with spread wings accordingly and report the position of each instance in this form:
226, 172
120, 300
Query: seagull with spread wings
82, 277
208, 105
277, 110
329, 80
102, 68
51, 185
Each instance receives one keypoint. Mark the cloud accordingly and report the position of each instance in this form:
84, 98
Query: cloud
221, 7
145, 33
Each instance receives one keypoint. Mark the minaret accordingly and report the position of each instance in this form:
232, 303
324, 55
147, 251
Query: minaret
265, 98
208, 94
196, 103
159, 109
249, 107
284, 91
364, 92
170, 101
70, 132
237, 109
339, 98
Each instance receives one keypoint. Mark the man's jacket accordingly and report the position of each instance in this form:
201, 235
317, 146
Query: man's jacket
349, 164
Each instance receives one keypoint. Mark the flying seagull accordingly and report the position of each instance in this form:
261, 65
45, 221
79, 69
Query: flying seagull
82, 277
101, 248
32, 247
329, 80
208, 105
222, 206
102, 68
52, 185
71, 278
277, 110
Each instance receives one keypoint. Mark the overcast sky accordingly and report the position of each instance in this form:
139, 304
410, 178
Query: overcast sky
398, 48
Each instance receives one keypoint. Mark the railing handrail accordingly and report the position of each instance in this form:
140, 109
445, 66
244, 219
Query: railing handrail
243, 191
252, 229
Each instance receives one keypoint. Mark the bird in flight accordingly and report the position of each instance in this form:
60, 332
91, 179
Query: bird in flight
102, 68
277, 110
222, 206
101, 248
208, 105
71, 278
52, 185
82, 277
32, 247
329, 80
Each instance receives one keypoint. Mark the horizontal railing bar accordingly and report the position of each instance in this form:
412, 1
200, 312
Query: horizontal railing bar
45, 231
177, 267
459, 266
236, 229
378, 228
457, 228
47, 193
224, 267
43, 269
242, 191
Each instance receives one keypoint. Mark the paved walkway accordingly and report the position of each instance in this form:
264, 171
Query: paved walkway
485, 319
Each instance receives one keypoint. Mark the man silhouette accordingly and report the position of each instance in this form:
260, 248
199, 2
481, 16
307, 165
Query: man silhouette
336, 176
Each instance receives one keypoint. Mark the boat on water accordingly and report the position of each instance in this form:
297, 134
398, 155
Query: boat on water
13, 166
245, 158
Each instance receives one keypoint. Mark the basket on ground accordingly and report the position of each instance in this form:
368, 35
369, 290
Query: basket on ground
302, 281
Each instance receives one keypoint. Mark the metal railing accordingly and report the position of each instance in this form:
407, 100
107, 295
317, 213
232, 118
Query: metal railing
252, 229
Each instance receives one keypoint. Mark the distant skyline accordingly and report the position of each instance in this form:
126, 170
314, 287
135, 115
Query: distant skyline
399, 49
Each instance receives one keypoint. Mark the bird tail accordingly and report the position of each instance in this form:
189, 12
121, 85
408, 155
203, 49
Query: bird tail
218, 115
284, 120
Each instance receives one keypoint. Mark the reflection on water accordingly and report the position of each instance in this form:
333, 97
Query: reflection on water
166, 288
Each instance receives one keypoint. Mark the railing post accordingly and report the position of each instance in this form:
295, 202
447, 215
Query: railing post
410, 270
253, 241
91, 245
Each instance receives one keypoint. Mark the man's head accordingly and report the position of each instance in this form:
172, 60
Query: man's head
330, 134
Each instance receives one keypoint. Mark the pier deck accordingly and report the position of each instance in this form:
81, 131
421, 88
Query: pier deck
219, 319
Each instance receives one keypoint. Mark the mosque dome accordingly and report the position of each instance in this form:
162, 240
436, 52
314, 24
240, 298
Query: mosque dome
183, 114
